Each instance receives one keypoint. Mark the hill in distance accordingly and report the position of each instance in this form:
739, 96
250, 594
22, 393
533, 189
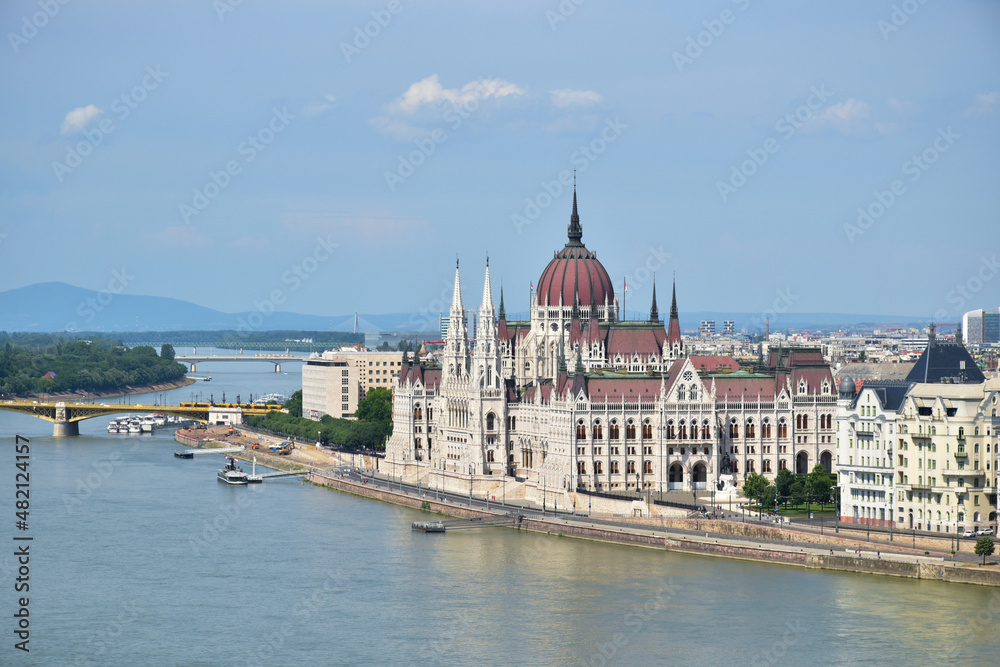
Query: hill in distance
56, 306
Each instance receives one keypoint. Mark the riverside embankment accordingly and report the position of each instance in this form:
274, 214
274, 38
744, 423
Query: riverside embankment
723, 539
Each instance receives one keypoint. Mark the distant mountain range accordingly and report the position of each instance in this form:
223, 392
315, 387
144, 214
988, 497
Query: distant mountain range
46, 307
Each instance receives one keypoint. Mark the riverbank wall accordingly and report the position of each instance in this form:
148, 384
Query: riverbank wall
730, 544
70, 397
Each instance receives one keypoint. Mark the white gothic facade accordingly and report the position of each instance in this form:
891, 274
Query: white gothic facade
576, 400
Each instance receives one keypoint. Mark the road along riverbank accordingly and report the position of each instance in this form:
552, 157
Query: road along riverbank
722, 539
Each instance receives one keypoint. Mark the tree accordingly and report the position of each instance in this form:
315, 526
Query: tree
768, 498
798, 491
783, 483
984, 547
754, 486
294, 404
376, 406
818, 484
167, 352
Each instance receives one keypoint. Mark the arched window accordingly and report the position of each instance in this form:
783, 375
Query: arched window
647, 430
598, 430
765, 428
750, 466
750, 430
631, 467
613, 431
734, 429
683, 432
681, 393
782, 428
489, 456
581, 432
581, 467
630, 431
490, 421
614, 467
647, 468
706, 430
671, 432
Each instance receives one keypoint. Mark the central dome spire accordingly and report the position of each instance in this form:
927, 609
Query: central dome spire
575, 232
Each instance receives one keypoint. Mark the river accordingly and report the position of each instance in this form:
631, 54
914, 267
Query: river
140, 558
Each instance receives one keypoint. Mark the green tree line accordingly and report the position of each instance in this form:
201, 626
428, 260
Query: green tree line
81, 365
369, 431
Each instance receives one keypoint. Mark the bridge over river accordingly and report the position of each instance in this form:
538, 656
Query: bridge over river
66, 417
277, 359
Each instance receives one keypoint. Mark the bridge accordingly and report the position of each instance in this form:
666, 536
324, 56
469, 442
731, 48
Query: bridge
277, 359
67, 416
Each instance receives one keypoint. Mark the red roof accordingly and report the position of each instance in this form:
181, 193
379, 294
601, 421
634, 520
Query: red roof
714, 364
575, 271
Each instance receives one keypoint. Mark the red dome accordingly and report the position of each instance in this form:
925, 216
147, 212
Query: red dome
575, 273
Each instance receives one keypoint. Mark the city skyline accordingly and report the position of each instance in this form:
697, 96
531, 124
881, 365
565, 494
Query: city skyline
343, 156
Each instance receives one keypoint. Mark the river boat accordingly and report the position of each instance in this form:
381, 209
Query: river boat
232, 473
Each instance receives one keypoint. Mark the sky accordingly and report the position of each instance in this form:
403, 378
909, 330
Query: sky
326, 158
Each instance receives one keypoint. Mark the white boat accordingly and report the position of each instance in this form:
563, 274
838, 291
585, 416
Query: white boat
232, 474
133, 427
113, 427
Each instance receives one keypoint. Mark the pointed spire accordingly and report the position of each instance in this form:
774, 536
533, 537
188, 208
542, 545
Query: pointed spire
654, 312
502, 314
487, 288
575, 230
456, 298
578, 370
562, 357
673, 302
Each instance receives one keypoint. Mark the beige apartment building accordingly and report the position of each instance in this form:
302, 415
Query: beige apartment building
946, 445
333, 383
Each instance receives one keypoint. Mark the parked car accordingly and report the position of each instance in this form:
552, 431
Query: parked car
984, 531
969, 533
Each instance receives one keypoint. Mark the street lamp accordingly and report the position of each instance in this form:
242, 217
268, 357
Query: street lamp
543, 493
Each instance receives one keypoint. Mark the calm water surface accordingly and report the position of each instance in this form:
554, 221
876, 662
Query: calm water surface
141, 558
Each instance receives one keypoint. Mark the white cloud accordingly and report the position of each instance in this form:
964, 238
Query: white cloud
847, 116
78, 118
575, 98
985, 104
315, 109
430, 91
398, 129
902, 106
